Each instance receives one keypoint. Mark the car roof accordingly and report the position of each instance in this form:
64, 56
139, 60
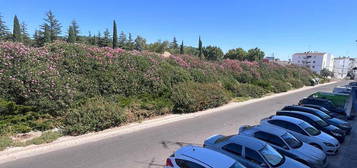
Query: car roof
247, 141
207, 156
311, 116
300, 107
318, 99
287, 118
265, 128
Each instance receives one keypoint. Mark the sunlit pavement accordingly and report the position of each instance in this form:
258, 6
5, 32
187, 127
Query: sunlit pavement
347, 156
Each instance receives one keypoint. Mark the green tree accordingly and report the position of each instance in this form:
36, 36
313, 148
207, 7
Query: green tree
38, 41
106, 39
200, 52
326, 73
130, 44
98, 39
76, 30
159, 46
122, 40
24, 33
4, 31
71, 38
213, 53
46, 35
53, 26
174, 44
238, 54
115, 35
140, 43
255, 54
16, 32
182, 48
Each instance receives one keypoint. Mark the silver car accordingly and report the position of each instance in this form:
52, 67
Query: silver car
287, 144
198, 157
251, 152
304, 132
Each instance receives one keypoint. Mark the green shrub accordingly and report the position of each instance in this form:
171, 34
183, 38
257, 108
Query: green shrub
190, 96
46, 137
5, 142
141, 107
296, 83
95, 114
247, 90
280, 86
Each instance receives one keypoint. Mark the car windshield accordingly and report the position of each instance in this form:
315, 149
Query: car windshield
321, 123
310, 129
237, 165
292, 141
272, 156
324, 115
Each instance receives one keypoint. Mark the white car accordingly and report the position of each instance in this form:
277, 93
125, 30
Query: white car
197, 157
305, 132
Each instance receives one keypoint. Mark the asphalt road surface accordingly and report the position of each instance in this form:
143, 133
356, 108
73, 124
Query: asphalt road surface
150, 147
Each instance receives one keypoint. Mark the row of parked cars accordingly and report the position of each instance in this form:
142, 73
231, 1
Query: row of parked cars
297, 136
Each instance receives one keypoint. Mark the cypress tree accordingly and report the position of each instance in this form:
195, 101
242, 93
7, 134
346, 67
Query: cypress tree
16, 33
115, 35
181, 48
200, 47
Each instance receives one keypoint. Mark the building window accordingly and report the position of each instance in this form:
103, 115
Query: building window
313, 66
313, 61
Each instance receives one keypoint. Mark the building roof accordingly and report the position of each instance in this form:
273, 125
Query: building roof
310, 53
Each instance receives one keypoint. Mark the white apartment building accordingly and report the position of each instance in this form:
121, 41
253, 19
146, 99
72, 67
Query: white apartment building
316, 61
342, 65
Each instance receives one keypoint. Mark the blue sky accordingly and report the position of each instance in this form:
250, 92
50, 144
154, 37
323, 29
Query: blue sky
281, 27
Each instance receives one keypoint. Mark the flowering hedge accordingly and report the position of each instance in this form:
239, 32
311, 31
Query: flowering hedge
60, 78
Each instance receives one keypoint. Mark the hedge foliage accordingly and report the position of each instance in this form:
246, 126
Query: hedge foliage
86, 88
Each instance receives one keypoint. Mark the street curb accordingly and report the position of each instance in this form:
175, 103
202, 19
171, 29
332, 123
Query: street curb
15, 153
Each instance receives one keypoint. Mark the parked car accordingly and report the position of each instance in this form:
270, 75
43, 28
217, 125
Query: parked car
324, 103
198, 157
286, 144
323, 113
304, 132
251, 152
317, 123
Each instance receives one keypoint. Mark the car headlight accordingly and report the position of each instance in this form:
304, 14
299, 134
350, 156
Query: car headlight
329, 144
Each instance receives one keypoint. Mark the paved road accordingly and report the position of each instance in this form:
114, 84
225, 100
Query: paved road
149, 148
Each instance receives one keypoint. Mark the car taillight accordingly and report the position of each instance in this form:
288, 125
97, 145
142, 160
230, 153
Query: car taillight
169, 163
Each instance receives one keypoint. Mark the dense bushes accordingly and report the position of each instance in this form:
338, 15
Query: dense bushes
247, 90
94, 115
21, 119
191, 96
87, 88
